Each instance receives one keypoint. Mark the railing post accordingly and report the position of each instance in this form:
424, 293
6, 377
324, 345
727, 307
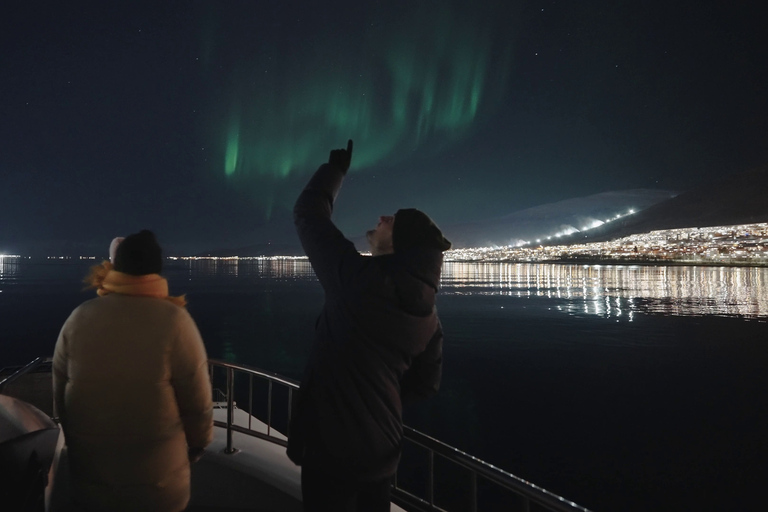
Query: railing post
269, 409
230, 408
250, 399
431, 480
290, 404
473, 491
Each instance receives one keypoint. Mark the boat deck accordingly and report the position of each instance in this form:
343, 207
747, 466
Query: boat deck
257, 477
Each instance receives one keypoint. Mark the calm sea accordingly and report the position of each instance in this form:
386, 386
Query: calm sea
618, 387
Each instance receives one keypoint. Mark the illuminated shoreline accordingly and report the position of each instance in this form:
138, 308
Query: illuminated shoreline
736, 245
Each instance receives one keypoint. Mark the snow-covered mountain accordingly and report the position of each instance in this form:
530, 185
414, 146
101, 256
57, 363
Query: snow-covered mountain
554, 220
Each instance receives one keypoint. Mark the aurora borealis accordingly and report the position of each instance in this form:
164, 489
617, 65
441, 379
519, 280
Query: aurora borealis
405, 84
202, 120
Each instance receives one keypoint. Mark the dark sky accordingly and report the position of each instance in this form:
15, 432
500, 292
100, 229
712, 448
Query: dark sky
203, 120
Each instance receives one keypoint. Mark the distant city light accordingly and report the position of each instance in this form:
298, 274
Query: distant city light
236, 258
594, 223
736, 245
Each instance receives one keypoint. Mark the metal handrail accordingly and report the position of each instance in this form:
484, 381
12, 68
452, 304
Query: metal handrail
528, 492
480, 468
21, 371
271, 378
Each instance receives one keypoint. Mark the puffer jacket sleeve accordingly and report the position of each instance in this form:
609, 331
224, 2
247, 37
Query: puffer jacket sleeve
60, 375
191, 383
422, 379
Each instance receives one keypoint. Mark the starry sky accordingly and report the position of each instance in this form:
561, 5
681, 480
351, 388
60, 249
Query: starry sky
202, 120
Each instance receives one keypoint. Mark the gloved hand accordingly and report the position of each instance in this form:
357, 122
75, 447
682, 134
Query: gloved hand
194, 454
342, 158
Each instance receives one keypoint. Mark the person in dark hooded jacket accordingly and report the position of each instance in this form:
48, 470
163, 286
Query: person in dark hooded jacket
378, 343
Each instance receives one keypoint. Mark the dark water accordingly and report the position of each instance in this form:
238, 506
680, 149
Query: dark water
621, 388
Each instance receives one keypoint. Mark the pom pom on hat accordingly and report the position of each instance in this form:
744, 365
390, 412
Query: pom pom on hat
414, 228
113, 248
139, 254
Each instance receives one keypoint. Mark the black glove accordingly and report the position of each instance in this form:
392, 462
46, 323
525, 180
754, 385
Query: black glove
194, 454
342, 158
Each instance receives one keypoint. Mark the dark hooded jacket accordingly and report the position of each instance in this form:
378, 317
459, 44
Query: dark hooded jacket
378, 342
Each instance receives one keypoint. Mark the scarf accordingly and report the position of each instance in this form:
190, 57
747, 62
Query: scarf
107, 280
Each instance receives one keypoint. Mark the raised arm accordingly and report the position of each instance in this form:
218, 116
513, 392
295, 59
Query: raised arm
322, 241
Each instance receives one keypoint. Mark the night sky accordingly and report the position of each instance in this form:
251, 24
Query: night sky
203, 120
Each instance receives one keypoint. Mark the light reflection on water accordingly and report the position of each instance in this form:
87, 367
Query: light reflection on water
610, 291
250, 269
9, 267
620, 291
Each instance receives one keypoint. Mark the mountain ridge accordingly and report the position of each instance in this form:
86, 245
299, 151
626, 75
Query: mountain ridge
736, 199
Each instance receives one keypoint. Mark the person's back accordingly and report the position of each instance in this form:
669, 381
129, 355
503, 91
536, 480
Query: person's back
132, 392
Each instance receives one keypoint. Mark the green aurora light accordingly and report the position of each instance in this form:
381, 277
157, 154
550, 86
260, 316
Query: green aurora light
411, 84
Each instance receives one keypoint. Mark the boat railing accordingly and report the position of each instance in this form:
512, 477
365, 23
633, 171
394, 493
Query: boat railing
479, 473
226, 398
27, 368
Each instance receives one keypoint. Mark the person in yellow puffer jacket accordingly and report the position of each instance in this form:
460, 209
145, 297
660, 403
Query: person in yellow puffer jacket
131, 387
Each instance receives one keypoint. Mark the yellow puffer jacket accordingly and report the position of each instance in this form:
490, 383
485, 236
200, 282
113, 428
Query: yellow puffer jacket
132, 390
